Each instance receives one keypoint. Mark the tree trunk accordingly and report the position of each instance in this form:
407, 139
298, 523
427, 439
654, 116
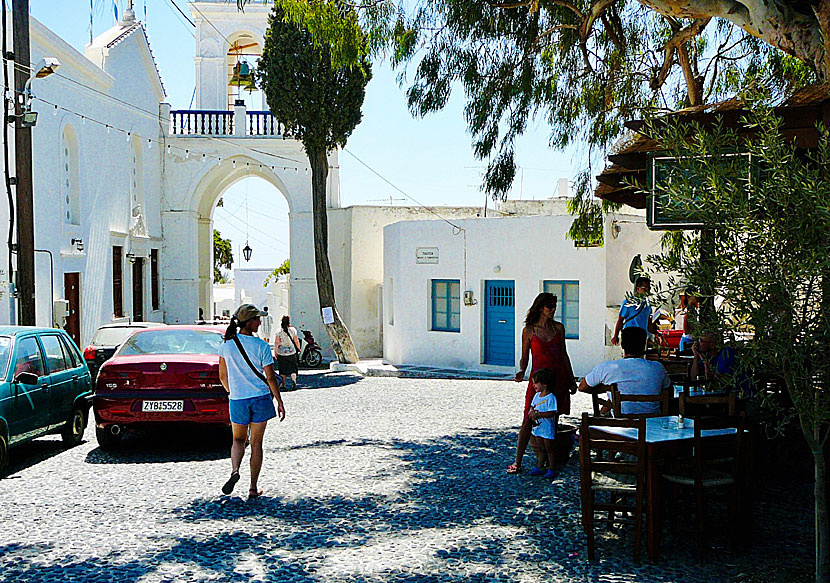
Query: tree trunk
341, 340
822, 521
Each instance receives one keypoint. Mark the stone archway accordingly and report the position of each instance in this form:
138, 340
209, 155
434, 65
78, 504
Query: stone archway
194, 183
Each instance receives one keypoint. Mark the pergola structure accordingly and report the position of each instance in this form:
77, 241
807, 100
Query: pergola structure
624, 179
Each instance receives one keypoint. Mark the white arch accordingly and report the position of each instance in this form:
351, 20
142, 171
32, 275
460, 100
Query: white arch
217, 178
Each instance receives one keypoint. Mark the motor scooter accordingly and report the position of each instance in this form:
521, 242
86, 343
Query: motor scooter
312, 355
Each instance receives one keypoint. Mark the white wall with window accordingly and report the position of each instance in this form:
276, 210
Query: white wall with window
433, 264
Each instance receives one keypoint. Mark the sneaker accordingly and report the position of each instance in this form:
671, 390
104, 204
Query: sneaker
536, 472
550, 474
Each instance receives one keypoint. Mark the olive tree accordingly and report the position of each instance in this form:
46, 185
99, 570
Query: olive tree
765, 206
320, 105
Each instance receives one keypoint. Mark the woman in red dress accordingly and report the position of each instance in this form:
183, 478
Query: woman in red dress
543, 338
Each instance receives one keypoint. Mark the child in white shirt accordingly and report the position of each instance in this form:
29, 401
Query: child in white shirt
543, 415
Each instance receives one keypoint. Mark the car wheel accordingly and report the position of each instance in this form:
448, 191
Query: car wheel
105, 438
4, 454
73, 432
314, 359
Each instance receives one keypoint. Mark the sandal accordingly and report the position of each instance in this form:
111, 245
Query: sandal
228, 487
252, 493
514, 469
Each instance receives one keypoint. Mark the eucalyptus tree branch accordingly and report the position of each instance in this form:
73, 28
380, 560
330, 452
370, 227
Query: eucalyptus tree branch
681, 36
548, 32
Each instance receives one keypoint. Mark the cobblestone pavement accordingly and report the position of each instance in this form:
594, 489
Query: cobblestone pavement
368, 479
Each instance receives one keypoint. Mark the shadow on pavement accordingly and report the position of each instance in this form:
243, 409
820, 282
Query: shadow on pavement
166, 445
457, 517
326, 379
26, 455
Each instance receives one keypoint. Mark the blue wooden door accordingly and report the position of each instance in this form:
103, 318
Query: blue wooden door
499, 323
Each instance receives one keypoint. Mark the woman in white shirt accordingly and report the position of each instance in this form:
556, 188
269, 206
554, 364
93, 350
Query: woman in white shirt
287, 347
246, 370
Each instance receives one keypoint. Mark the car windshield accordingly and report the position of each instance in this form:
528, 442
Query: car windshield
5, 349
172, 342
113, 336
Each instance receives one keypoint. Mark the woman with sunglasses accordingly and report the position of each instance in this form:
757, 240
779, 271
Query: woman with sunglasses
543, 343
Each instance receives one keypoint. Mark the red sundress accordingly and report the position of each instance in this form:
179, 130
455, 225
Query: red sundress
549, 354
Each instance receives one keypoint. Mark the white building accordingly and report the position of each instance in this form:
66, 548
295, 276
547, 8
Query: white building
456, 292
97, 175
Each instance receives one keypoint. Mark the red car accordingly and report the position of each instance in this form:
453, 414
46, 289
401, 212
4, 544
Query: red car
165, 375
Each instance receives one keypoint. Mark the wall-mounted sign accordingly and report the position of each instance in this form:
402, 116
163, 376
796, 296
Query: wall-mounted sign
328, 315
426, 255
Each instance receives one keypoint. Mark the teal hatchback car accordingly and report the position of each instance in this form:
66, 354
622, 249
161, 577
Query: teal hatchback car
45, 387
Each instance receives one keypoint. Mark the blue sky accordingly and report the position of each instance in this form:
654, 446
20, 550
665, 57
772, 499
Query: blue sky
430, 159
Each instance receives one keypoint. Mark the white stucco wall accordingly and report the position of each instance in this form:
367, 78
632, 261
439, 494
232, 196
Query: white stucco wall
356, 254
527, 250
126, 72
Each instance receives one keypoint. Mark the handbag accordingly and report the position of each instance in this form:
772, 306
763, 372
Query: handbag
248, 360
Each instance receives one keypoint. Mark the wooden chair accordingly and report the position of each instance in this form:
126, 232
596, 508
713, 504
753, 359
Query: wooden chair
708, 403
619, 398
620, 479
598, 401
716, 463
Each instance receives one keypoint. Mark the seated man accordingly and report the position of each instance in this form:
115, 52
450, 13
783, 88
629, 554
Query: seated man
715, 362
633, 374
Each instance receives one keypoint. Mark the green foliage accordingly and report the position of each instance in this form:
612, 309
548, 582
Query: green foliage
766, 252
222, 257
583, 75
283, 269
319, 103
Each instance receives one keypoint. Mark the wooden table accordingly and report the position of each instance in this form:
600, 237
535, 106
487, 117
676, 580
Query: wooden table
663, 441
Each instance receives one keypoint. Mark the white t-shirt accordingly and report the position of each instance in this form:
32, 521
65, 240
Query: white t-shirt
547, 425
634, 376
242, 381
285, 344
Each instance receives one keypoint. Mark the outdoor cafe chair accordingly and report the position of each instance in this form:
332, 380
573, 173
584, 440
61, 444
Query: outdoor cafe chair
619, 479
715, 463
708, 404
598, 401
619, 398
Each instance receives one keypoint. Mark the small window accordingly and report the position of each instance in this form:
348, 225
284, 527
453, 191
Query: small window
567, 305
28, 357
446, 305
154, 277
54, 353
73, 360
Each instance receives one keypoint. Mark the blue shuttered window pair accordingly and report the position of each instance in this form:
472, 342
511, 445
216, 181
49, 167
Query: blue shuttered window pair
567, 304
446, 305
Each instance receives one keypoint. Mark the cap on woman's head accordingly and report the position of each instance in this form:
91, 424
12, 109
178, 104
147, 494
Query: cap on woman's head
247, 312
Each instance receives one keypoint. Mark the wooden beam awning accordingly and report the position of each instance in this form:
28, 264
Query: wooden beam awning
629, 163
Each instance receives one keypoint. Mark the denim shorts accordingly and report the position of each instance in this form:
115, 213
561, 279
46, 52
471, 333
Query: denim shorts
253, 410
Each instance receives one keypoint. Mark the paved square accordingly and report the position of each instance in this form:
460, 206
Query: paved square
368, 479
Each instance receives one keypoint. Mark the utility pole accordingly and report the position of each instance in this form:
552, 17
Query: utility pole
25, 281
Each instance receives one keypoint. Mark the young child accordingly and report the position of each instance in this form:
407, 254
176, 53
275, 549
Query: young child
543, 415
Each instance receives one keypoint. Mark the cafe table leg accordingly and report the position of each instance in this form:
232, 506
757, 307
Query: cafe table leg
653, 523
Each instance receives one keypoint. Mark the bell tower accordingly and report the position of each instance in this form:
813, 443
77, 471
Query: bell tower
228, 45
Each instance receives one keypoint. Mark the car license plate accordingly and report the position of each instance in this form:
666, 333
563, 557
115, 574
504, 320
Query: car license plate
159, 406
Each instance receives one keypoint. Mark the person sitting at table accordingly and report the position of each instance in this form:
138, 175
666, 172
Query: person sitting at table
634, 375
636, 311
715, 362
690, 317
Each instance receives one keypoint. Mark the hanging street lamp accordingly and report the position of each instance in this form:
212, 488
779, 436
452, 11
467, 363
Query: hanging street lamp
246, 251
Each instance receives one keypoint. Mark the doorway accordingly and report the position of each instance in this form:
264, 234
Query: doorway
72, 292
499, 322
138, 290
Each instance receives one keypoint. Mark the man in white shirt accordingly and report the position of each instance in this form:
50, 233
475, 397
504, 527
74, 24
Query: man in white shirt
633, 374
265, 327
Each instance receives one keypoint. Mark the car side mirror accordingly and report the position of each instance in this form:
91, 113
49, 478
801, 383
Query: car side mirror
27, 378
